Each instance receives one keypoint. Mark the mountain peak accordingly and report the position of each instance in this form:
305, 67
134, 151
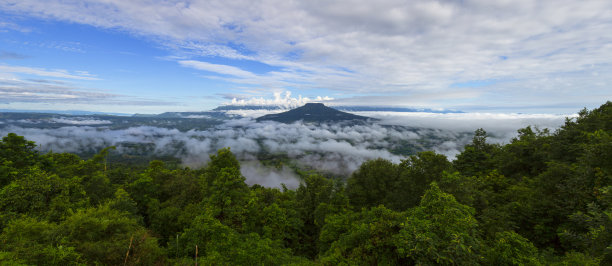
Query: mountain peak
314, 105
312, 112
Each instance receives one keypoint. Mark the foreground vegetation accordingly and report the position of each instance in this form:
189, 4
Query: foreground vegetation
543, 199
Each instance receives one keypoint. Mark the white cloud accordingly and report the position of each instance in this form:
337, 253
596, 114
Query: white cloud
6, 26
34, 93
256, 173
59, 73
80, 121
280, 100
221, 69
386, 47
14, 89
502, 125
336, 148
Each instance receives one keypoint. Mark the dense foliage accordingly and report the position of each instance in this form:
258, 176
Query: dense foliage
545, 198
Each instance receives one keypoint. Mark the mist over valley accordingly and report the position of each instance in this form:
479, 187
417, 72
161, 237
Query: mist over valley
271, 151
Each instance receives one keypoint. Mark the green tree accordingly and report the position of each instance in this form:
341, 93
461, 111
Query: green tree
16, 155
224, 159
103, 235
219, 244
274, 214
228, 197
526, 155
415, 175
36, 242
370, 184
124, 203
316, 198
39, 194
510, 248
18, 150
364, 238
477, 157
440, 231
178, 193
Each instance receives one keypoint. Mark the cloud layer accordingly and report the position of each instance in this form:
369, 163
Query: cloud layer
334, 148
538, 53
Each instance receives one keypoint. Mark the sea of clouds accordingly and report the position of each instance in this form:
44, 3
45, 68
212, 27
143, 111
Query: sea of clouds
335, 148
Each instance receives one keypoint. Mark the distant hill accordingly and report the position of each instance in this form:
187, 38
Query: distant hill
248, 107
393, 109
209, 115
312, 112
61, 112
225, 108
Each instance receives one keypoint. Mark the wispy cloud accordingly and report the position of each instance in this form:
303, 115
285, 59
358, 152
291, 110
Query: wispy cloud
217, 68
13, 91
58, 73
11, 55
48, 91
388, 47
6, 26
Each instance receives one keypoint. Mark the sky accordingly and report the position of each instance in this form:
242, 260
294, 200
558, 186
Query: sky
144, 56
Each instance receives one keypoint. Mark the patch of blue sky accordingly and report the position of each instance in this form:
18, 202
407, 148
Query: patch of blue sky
473, 84
60, 45
294, 54
240, 48
122, 63
345, 71
233, 27
89, 38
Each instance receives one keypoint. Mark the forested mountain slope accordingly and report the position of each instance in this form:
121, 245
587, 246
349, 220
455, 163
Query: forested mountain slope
544, 198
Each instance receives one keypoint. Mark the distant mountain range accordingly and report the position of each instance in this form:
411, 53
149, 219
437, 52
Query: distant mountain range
224, 108
392, 109
312, 112
209, 115
221, 112
341, 108
61, 112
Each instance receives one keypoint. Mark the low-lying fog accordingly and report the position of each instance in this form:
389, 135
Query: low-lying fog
338, 149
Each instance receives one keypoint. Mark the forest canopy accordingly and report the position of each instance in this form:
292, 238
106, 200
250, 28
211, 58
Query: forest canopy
544, 198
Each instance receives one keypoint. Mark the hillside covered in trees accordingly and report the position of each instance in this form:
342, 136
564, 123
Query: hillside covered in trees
545, 198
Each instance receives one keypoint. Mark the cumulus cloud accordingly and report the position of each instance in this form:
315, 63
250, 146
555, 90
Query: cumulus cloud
280, 100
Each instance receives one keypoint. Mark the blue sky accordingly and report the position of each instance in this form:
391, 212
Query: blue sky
155, 56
